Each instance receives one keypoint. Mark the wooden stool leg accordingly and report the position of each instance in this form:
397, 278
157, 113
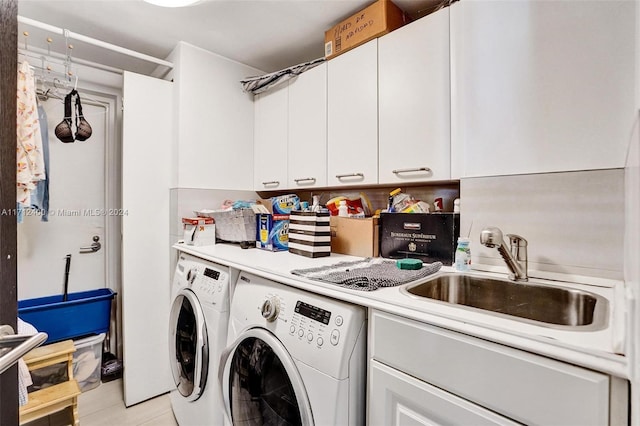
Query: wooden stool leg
74, 409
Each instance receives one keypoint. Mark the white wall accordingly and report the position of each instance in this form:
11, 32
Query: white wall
573, 222
215, 120
184, 201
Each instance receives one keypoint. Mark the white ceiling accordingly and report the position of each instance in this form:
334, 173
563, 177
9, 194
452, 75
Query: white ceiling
266, 34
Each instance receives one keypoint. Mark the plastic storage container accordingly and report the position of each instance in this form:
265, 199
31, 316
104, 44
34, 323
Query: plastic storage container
82, 314
87, 361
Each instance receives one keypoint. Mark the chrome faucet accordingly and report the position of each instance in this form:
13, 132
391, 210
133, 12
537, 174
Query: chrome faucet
515, 257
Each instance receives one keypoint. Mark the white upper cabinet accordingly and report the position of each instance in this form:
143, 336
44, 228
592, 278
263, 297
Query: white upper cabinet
414, 101
541, 86
308, 129
270, 139
352, 122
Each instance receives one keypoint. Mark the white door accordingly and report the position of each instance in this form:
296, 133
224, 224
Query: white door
76, 208
147, 129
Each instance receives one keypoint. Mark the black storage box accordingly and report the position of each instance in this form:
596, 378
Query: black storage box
430, 237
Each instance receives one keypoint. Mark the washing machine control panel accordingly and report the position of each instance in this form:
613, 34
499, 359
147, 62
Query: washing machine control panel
315, 326
211, 285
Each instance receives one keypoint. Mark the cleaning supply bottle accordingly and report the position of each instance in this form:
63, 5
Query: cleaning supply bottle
391, 195
343, 210
463, 255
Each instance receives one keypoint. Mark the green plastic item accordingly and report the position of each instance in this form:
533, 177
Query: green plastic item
409, 264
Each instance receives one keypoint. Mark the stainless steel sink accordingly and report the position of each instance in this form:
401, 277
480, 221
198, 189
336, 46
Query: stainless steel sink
539, 304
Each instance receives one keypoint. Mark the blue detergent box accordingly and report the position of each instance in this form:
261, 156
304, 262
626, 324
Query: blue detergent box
284, 204
272, 231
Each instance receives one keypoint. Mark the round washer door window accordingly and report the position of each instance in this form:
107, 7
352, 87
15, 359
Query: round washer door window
263, 385
188, 345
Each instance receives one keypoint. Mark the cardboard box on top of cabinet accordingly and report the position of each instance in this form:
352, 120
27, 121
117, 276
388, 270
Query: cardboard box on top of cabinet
430, 237
378, 19
357, 237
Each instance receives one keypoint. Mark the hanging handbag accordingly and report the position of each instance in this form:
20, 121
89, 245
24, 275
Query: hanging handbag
83, 129
64, 130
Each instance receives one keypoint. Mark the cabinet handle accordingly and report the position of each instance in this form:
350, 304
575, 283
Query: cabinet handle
271, 183
417, 169
309, 179
350, 175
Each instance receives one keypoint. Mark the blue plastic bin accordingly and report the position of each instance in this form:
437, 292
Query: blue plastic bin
84, 313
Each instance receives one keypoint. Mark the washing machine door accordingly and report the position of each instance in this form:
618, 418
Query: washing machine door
188, 345
260, 383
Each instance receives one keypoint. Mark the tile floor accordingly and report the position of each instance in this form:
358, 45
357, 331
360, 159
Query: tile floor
104, 406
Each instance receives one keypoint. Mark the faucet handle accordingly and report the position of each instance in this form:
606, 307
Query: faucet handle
518, 246
516, 240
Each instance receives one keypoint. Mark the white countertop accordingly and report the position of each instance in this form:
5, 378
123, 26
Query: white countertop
592, 349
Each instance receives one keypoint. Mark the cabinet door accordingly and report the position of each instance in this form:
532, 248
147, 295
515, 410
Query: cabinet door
308, 129
397, 399
541, 86
270, 139
352, 145
522, 386
414, 101
147, 126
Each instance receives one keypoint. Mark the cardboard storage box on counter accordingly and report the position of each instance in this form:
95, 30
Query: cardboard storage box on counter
309, 234
357, 237
430, 237
272, 229
373, 21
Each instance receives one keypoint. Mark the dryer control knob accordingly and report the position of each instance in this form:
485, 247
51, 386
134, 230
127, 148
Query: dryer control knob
191, 275
270, 309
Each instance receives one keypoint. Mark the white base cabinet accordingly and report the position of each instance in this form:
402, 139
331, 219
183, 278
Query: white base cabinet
414, 101
422, 374
398, 399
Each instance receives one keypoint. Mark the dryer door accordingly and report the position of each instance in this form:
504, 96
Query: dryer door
188, 345
261, 384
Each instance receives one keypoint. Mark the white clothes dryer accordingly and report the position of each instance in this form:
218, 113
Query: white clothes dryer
293, 357
197, 335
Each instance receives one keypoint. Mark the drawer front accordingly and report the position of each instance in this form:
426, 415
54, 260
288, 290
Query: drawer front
397, 399
527, 388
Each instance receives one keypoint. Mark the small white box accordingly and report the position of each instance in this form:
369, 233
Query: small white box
199, 231
87, 361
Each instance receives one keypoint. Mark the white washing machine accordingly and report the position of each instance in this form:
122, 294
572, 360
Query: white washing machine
293, 357
197, 335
